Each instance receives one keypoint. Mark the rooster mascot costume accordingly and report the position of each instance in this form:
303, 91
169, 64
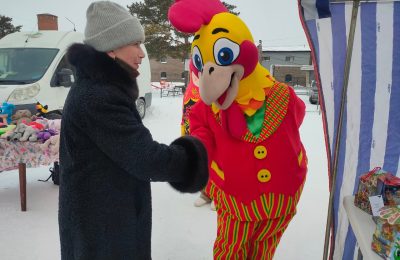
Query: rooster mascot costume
249, 123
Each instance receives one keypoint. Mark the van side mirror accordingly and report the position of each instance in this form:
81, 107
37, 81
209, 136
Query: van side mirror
65, 77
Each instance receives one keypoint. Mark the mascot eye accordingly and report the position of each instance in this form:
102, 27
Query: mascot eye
225, 51
197, 60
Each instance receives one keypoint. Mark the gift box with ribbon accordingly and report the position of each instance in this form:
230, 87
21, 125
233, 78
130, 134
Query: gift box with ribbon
367, 187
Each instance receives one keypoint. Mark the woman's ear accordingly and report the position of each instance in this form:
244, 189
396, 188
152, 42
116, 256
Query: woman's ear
111, 54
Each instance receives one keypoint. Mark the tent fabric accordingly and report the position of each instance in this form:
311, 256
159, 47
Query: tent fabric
370, 134
314, 9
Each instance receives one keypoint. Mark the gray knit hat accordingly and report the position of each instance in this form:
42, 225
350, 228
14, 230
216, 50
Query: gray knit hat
110, 26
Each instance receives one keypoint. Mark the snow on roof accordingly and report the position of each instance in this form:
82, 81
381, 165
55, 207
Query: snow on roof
286, 48
48, 14
40, 39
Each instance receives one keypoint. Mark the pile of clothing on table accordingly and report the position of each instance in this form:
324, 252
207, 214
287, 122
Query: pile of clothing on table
23, 126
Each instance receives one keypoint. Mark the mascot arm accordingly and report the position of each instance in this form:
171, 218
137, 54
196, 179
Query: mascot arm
199, 128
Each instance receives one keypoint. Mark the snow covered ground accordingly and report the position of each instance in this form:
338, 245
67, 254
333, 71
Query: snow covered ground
180, 230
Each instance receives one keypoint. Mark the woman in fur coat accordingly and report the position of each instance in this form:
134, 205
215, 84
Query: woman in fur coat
107, 156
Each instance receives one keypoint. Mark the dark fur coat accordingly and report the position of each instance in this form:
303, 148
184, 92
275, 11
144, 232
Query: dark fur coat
107, 161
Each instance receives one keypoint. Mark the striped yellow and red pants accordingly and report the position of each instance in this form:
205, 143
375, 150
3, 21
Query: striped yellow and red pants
248, 239
253, 230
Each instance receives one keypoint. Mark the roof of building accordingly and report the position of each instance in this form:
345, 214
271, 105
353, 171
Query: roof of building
286, 48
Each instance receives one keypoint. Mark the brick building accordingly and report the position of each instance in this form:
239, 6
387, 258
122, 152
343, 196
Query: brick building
292, 65
170, 68
291, 74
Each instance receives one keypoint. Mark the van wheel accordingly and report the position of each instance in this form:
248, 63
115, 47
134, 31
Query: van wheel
141, 107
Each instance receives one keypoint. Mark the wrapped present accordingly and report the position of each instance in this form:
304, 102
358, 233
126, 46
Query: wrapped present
389, 186
387, 232
380, 248
367, 187
388, 224
395, 250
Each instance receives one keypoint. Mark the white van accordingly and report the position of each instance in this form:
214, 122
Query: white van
33, 68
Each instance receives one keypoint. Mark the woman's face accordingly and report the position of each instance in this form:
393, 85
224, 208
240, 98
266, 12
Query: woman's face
132, 54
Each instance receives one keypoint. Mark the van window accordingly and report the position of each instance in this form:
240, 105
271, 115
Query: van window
64, 64
24, 65
3, 63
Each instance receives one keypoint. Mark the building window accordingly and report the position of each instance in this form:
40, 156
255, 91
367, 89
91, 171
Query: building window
289, 58
266, 58
163, 60
288, 78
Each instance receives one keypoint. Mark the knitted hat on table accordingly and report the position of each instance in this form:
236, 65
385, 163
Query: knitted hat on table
110, 26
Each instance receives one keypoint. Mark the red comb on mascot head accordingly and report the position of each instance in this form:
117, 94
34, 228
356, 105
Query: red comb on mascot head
189, 15
249, 123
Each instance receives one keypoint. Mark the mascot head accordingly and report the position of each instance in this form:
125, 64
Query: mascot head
223, 51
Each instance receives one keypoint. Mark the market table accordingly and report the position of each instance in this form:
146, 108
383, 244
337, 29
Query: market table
363, 227
22, 155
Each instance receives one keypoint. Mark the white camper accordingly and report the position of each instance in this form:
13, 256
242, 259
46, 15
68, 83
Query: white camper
33, 68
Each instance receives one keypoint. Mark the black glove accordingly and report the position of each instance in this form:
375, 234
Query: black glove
196, 173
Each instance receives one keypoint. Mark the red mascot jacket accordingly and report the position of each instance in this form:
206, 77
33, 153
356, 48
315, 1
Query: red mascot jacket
256, 177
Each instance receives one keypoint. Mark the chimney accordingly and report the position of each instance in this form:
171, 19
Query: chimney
259, 47
47, 22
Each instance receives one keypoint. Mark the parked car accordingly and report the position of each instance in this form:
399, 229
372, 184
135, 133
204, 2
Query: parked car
314, 96
313, 93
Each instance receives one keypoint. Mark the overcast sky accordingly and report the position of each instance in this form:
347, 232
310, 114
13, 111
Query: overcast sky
275, 22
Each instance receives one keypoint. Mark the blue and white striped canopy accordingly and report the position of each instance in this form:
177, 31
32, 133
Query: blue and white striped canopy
370, 134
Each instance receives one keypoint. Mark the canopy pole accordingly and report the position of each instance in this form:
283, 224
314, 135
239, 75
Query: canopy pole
329, 222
